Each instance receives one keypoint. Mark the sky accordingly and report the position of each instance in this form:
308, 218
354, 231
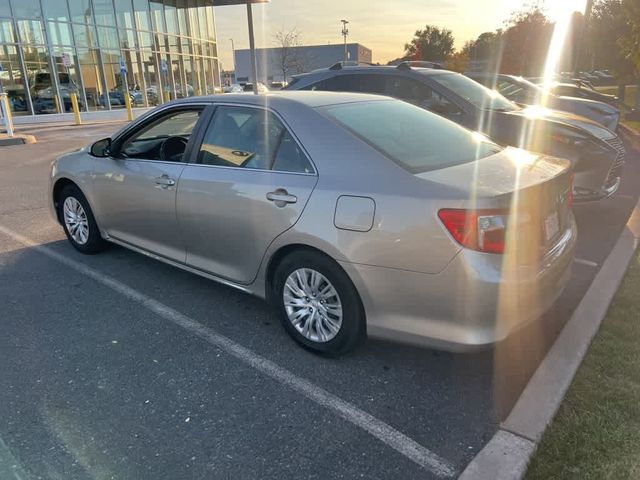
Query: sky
384, 26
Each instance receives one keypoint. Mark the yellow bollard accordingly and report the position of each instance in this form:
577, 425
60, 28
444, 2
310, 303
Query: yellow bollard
76, 108
127, 102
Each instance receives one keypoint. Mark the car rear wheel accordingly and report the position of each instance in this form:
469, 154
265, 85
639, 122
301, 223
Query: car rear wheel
78, 221
319, 306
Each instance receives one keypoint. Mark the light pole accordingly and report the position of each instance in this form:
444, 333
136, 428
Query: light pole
233, 56
252, 47
345, 32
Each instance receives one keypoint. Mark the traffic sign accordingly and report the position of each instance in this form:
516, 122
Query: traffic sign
123, 66
66, 60
163, 66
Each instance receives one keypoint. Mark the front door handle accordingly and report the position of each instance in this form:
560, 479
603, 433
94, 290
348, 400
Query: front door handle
281, 197
165, 182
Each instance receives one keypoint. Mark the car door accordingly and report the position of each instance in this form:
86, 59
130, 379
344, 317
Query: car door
135, 189
251, 182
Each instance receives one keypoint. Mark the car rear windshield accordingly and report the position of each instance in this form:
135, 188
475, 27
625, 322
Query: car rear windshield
417, 140
473, 92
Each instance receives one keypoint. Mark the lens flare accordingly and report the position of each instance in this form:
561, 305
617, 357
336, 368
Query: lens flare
561, 12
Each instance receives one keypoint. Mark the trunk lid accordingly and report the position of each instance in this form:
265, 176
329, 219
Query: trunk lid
535, 190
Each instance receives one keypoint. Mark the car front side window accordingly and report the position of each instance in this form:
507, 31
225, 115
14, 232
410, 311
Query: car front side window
163, 139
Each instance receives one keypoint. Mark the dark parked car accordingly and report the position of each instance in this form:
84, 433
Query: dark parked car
116, 98
596, 152
44, 101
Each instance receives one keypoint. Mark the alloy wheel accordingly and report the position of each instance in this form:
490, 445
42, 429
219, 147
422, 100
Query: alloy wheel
75, 219
312, 305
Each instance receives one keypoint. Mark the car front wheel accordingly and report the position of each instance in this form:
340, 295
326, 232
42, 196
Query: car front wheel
78, 221
319, 306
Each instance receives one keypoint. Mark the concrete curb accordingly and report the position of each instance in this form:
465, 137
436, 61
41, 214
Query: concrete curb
17, 139
507, 454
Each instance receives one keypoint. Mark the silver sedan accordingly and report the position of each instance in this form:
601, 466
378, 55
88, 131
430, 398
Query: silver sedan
353, 214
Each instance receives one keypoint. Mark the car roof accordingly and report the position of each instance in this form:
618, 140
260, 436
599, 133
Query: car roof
282, 98
376, 69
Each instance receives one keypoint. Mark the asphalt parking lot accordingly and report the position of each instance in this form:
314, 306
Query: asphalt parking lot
118, 366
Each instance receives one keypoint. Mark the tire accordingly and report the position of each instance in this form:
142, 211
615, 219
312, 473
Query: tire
318, 314
90, 243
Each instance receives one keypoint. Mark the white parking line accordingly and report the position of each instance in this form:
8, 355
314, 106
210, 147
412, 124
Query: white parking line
375, 427
588, 263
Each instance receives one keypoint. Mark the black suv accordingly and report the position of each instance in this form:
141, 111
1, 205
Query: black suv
596, 153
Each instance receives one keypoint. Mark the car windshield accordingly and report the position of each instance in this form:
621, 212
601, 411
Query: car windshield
530, 86
473, 92
417, 140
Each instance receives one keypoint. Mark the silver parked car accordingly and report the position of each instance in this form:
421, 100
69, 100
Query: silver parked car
523, 91
353, 214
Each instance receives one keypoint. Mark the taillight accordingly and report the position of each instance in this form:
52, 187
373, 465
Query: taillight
481, 230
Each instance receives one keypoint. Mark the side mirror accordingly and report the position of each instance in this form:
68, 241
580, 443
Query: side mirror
101, 148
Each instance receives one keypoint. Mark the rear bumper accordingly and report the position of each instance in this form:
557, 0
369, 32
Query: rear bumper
471, 304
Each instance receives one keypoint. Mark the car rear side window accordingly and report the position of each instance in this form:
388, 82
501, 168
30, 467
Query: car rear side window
417, 140
251, 138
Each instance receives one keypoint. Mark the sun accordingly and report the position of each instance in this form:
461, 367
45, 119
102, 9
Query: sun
559, 10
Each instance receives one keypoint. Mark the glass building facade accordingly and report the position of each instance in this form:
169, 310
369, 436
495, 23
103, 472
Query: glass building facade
50, 48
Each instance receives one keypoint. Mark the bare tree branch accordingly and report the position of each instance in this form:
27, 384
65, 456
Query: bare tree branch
288, 56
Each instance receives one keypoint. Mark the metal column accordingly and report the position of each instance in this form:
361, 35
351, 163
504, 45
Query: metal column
252, 47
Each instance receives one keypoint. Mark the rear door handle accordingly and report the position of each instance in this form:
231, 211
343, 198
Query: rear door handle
281, 197
165, 182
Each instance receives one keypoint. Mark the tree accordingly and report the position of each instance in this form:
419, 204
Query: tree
608, 29
524, 45
630, 40
519, 48
288, 56
484, 53
431, 44
458, 62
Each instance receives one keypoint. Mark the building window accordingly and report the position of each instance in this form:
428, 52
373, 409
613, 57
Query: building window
171, 16
108, 38
53, 48
157, 16
91, 78
5, 9
30, 31
81, 11
103, 12
26, 8
85, 35
6, 31
124, 13
141, 12
55, 11
13, 80
60, 33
